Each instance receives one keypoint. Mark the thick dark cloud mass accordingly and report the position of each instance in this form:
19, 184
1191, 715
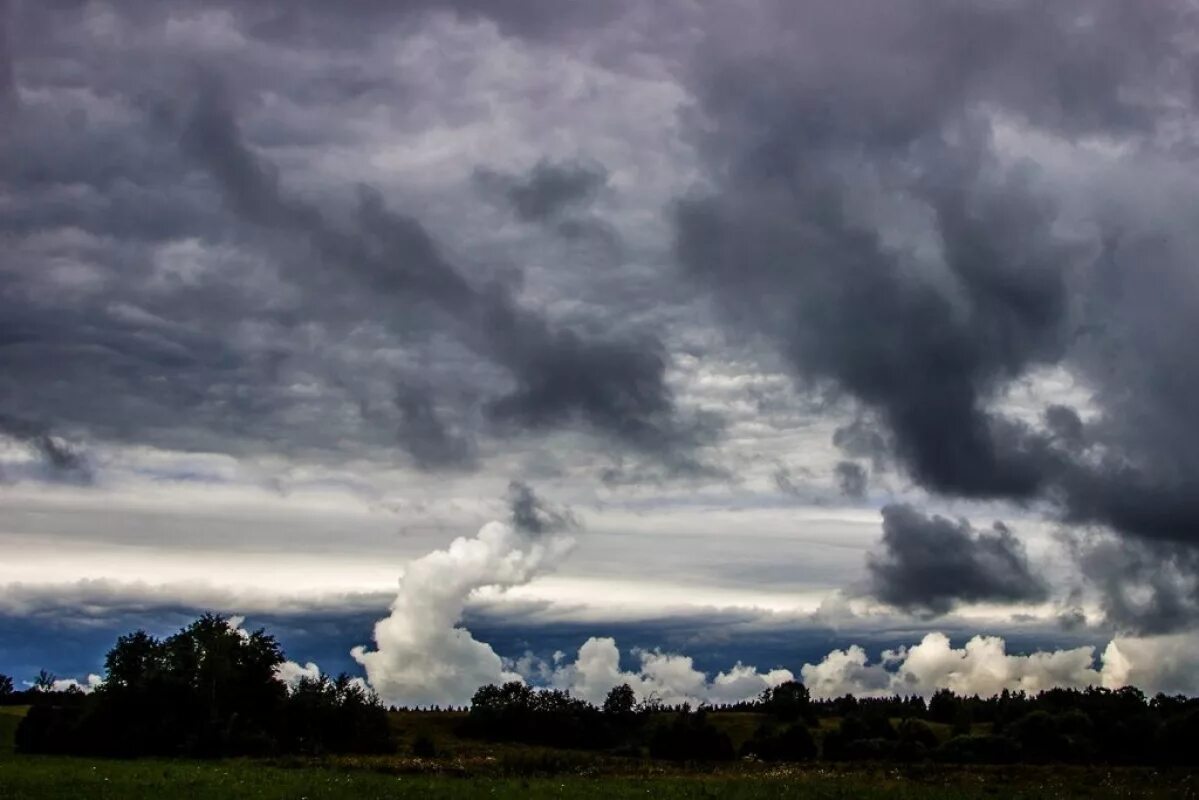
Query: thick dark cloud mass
529, 513
1144, 586
463, 234
426, 437
185, 329
616, 387
851, 478
60, 459
931, 563
549, 190
867, 217
8, 89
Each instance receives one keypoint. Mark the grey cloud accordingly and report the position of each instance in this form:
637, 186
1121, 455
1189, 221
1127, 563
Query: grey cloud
426, 436
549, 190
61, 459
1142, 587
865, 218
1064, 423
614, 386
932, 563
529, 513
861, 439
219, 347
8, 85
852, 478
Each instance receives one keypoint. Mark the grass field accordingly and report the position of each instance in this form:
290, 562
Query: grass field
468, 769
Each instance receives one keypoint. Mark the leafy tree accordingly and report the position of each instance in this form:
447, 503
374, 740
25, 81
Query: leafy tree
620, 702
788, 701
943, 706
6, 688
788, 743
691, 737
208, 690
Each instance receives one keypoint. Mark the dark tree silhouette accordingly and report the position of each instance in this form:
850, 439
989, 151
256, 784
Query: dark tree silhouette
788, 701
621, 702
209, 690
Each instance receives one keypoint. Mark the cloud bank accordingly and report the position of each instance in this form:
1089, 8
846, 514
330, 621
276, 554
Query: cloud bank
983, 667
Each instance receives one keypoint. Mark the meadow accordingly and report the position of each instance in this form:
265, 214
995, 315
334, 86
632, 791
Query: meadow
468, 769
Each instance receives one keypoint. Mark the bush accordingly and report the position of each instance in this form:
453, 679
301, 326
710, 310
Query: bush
423, 747
516, 712
979, 750
691, 737
771, 743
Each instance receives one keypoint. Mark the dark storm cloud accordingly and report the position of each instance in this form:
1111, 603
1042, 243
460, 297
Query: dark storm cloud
860, 439
852, 478
426, 436
548, 190
8, 86
529, 513
932, 563
614, 386
1064, 423
60, 459
557, 195
1144, 587
184, 331
865, 217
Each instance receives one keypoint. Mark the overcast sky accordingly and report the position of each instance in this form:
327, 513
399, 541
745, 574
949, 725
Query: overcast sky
763, 330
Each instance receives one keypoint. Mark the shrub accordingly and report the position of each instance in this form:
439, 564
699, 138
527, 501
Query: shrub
979, 750
791, 743
691, 737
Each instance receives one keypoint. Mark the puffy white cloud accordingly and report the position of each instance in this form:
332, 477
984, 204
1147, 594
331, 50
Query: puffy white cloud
89, 685
291, 673
666, 677
1154, 663
984, 667
845, 672
422, 657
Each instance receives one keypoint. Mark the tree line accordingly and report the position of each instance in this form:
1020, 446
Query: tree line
212, 689
208, 690
1093, 725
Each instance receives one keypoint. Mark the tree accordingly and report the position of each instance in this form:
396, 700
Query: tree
134, 661
44, 682
691, 737
620, 702
5, 686
943, 706
790, 743
788, 701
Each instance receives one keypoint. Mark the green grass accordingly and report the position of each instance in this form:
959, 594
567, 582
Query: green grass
32, 778
10, 718
470, 769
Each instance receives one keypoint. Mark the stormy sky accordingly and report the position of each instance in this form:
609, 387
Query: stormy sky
693, 344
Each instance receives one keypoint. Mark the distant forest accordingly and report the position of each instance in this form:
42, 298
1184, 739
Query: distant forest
211, 690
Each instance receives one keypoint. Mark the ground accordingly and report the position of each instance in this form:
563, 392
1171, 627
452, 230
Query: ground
468, 769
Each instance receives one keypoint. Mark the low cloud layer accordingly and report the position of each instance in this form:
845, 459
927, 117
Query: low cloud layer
984, 667
662, 677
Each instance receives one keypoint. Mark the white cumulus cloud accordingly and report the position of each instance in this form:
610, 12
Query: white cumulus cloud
984, 667
421, 655
665, 677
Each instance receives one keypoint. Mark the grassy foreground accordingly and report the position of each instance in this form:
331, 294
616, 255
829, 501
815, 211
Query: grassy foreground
475, 770
35, 778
